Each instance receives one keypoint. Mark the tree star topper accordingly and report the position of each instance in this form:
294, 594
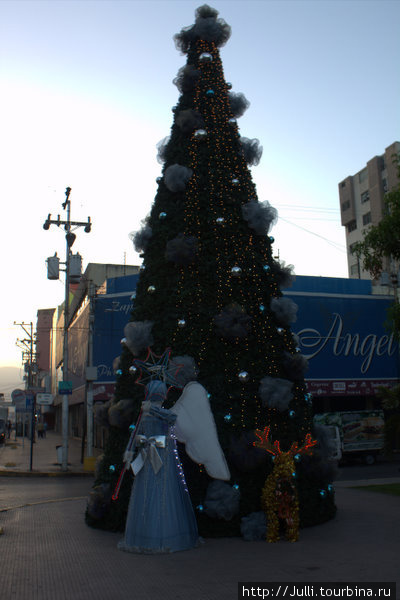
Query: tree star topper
160, 367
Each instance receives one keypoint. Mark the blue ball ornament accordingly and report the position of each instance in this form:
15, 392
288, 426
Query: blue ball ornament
118, 372
292, 414
227, 417
330, 488
235, 486
297, 457
266, 268
261, 307
111, 468
322, 493
271, 239
132, 427
162, 215
200, 507
210, 93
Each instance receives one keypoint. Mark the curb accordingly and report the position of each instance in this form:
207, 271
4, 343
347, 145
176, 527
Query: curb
7, 473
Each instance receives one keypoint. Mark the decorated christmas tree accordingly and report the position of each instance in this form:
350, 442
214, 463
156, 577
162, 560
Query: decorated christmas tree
209, 291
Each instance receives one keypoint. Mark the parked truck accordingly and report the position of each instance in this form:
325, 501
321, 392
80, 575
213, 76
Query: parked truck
361, 433
3, 423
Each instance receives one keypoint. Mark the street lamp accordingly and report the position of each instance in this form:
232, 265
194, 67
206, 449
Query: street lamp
70, 261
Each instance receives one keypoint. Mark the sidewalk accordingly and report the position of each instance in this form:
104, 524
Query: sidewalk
47, 552
15, 456
15, 460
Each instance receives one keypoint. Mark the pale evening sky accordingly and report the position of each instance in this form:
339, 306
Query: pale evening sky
86, 93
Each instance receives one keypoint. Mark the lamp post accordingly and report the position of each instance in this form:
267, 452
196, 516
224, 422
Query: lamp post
70, 238
29, 359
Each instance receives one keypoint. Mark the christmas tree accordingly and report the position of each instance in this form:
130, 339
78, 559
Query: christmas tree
210, 291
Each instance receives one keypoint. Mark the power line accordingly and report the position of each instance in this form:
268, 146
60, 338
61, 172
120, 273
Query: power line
340, 247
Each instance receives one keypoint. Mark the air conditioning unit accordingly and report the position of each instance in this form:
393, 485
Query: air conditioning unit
53, 267
75, 268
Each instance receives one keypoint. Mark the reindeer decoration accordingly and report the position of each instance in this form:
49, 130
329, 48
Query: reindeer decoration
279, 497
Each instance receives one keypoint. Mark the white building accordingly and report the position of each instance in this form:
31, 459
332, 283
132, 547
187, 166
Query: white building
362, 201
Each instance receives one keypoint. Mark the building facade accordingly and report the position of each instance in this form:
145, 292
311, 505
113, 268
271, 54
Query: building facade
340, 330
93, 284
362, 202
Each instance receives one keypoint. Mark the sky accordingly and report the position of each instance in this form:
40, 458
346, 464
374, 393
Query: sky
86, 94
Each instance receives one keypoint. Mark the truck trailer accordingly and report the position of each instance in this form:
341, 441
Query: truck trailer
361, 433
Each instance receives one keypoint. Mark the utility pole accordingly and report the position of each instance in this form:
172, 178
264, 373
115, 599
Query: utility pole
70, 238
91, 375
26, 346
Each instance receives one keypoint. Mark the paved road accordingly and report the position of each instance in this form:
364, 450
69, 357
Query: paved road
23, 491
382, 469
18, 491
48, 553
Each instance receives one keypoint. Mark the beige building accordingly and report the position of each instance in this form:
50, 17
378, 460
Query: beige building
362, 201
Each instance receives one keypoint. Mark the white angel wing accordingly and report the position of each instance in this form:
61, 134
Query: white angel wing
195, 427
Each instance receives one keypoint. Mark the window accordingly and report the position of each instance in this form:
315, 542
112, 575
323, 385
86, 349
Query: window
354, 270
367, 218
346, 205
351, 226
363, 175
364, 197
351, 248
343, 184
384, 185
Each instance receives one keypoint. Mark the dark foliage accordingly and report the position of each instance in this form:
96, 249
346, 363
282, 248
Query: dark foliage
207, 27
238, 104
233, 322
188, 120
260, 216
187, 78
252, 151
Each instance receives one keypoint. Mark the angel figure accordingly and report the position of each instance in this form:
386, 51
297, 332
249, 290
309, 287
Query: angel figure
160, 515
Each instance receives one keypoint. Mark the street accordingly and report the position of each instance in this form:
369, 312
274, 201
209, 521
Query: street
24, 491
356, 470
48, 553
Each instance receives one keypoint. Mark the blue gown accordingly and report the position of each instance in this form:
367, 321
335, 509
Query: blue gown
160, 516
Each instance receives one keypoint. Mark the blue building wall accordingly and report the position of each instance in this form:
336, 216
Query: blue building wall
341, 330
340, 325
